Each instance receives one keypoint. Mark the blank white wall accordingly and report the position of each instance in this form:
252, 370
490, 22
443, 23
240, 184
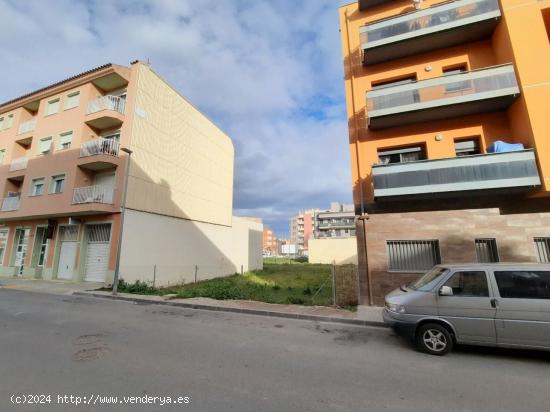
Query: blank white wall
177, 246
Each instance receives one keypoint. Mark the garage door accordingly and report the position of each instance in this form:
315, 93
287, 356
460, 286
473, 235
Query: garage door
97, 254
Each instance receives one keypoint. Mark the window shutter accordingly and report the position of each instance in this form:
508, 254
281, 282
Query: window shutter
45, 145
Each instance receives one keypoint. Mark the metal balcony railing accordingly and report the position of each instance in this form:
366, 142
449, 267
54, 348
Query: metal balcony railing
434, 19
10, 203
26, 127
458, 88
93, 194
19, 164
108, 102
100, 146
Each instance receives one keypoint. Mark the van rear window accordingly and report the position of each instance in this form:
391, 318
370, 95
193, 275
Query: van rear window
523, 284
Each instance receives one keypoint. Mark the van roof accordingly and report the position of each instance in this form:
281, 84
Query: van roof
502, 265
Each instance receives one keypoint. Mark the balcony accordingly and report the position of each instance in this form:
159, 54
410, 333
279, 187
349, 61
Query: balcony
10, 203
19, 164
99, 154
434, 28
105, 112
93, 194
478, 91
27, 127
486, 173
365, 4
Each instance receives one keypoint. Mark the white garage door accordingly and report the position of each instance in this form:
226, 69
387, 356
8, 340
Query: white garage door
97, 255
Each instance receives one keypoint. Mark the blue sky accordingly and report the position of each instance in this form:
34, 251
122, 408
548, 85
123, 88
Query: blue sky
267, 72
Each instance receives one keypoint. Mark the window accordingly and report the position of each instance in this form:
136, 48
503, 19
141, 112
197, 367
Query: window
402, 155
486, 250
458, 85
65, 140
2, 155
52, 107
523, 284
72, 100
469, 283
45, 145
412, 255
37, 186
467, 147
58, 183
9, 122
6, 122
542, 244
3, 242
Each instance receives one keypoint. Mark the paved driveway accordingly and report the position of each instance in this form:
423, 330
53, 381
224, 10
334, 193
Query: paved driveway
229, 362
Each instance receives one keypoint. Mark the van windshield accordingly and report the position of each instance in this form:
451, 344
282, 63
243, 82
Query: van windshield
428, 281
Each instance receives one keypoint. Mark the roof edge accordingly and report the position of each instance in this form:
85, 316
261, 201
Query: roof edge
10, 102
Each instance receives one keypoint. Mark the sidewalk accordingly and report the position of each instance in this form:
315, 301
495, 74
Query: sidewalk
365, 315
55, 287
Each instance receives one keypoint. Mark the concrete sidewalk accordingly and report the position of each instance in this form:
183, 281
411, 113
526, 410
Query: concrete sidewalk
55, 287
365, 315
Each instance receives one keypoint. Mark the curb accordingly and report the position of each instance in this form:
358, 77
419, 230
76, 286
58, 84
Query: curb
257, 312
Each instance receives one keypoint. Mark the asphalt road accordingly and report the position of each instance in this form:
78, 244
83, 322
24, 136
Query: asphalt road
230, 362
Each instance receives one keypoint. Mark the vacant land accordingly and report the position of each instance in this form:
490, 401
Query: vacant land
296, 283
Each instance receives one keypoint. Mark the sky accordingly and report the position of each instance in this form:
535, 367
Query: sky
267, 72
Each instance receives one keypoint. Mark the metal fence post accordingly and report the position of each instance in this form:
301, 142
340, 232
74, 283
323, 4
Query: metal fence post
154, 274
196, 271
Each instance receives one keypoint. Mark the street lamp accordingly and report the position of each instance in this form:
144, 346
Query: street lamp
122, 210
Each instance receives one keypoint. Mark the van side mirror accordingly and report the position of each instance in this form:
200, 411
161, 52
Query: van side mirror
446, 291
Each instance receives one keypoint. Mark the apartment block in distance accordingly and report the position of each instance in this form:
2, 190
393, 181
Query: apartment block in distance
63, 155
270, 242
337, 222
447, 106
302, 228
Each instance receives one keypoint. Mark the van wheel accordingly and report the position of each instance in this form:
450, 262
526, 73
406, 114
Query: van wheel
434, 339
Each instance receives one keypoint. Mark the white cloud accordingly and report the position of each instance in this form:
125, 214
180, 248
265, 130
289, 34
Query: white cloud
269, 72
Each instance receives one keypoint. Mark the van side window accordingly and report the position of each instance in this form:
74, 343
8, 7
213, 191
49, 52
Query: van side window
469, 283
523, 284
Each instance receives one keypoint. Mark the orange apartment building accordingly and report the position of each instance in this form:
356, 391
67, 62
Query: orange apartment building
430, 87
270, 242
63, 155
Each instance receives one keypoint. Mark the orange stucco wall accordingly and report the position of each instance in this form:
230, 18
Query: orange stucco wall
520, 38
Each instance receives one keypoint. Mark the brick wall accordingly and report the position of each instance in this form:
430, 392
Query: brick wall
456, 231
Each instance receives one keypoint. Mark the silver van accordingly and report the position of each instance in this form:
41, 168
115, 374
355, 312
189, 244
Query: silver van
490, 304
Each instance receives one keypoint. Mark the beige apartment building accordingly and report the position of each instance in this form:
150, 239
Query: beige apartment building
63, 155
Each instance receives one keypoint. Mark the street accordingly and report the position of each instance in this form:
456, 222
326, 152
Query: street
230, 362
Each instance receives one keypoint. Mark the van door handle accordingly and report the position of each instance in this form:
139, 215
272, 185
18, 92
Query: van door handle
494, 303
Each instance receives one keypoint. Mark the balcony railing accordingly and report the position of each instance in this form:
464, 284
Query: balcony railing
99, 147
28, 126
10, 203
478, 85
108, 102
93, 194
19, 164
477, 17
504, 171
